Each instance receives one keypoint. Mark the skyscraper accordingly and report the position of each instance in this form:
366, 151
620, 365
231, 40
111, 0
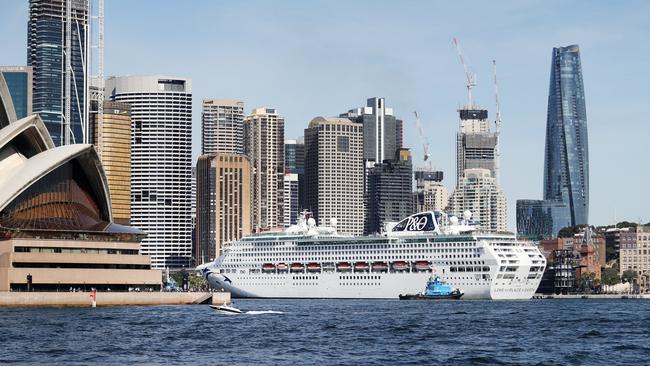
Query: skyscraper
161, 153
19, 80
290, 209
334, 173
389, 196
478, 192
60, 82
223, 203
264, 145
222, 127
115, 154
382, 132
566, 158
294, 163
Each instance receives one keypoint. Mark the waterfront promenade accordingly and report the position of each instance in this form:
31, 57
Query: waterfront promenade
83, 299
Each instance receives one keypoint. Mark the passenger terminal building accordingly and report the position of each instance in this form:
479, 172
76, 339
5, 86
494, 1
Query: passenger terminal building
56, 222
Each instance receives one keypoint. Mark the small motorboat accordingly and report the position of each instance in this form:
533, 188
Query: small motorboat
436, 289
225, 309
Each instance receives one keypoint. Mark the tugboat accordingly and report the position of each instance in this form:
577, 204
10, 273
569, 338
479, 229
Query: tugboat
436, 290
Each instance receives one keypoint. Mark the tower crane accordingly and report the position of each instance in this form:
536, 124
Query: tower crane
425, 141
497, 123
471, 78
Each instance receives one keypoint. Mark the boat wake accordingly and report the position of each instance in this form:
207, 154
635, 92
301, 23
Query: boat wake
260, 312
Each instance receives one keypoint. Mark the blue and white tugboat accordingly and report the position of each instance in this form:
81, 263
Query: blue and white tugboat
437, 289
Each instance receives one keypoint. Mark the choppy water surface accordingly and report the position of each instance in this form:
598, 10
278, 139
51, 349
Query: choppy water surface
538, 332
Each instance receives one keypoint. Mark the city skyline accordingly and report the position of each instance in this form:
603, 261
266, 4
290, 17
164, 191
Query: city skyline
422, 74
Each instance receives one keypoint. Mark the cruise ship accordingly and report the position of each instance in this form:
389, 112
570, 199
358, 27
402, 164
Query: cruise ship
307, 261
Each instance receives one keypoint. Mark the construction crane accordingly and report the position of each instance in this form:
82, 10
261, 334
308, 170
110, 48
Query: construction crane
497, 123
425, 141
471, 78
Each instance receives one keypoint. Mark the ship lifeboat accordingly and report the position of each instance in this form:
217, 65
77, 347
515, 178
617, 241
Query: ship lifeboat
297, 267
329, 267
361, 267
268, 268
422, 266
313, 267
282, 267
399, 266
344, 267
379, 267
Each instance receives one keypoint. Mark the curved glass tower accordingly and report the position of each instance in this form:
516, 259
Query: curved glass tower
566, 159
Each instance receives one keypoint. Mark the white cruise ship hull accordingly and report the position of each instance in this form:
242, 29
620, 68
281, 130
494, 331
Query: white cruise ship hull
361, 286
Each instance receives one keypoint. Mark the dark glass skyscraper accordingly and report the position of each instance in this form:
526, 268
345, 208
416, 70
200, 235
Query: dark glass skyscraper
46, 41
566, 159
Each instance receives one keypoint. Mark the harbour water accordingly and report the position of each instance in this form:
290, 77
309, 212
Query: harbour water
536, 332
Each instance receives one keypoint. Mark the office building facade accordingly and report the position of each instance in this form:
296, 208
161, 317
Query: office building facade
294, 163
223, 203
161, 153
112, 140
19, 81
382, 132
389, 192
222, 126
290, 209
60, 93
264, 145
566, 158
478, 192
334, 173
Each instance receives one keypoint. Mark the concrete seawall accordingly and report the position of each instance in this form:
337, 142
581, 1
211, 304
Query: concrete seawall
82, 299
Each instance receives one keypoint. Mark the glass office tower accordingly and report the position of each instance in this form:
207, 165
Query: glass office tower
566, 159
45, 53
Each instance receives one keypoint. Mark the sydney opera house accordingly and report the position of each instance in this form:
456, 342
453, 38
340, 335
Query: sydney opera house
56, 223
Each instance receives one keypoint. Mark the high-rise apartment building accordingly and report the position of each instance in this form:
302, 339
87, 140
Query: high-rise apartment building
478, 192
294, 163
334, 173
223, 203
566, 158
389, 192
264, 145
290, 208
222, 128
475, 144
19, 80
112, 139
430, 193
161, 153
58, 52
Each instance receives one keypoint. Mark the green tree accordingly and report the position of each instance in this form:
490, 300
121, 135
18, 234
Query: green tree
623, 224
610, 277
629, 276
570, 231
586, 281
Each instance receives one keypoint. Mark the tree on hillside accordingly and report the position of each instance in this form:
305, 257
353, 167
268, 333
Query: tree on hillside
623, 224
629, 276
570, 231
610, 277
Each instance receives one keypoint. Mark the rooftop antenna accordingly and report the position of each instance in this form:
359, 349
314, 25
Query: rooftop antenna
497, 122
471, 78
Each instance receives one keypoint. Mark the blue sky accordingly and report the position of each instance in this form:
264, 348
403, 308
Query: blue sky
316, 58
